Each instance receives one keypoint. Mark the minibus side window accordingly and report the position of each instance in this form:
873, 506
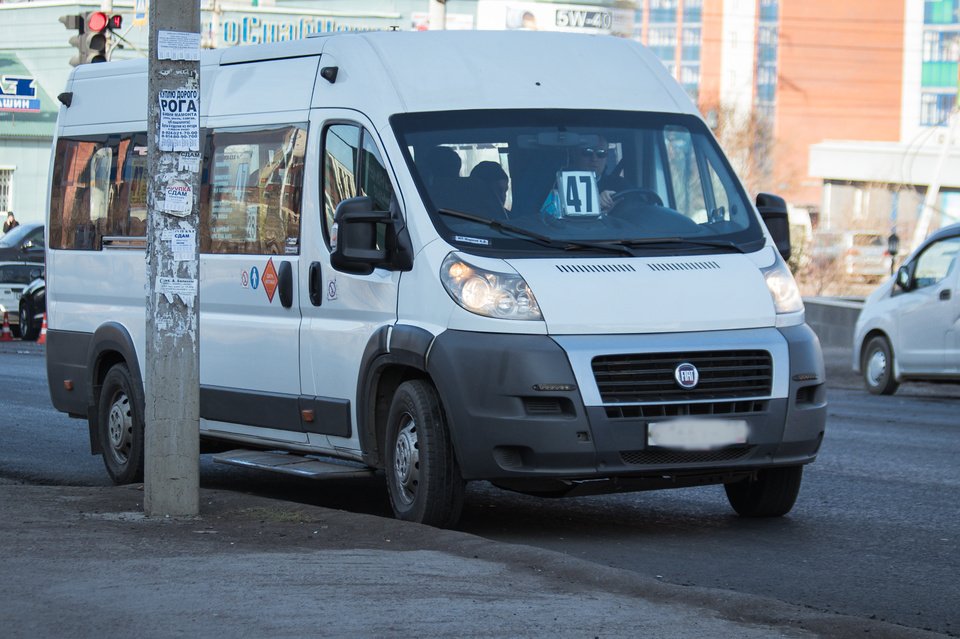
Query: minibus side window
375, 181
255, 192
99, 189
78, 165
340, 150
133, 190
352, 166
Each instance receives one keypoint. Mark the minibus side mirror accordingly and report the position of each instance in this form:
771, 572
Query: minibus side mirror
358, 237
773, 211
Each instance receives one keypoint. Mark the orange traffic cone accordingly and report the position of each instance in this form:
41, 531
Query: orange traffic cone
6, 336
43, 331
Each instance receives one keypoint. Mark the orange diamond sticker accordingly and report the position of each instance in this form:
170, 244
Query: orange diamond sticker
269, 280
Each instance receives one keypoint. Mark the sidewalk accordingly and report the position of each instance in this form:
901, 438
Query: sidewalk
85, 562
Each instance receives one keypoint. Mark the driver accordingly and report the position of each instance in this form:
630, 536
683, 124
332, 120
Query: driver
590, 157
593, 157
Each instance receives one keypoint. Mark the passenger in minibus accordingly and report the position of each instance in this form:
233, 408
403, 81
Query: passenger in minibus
438, 163
493, 176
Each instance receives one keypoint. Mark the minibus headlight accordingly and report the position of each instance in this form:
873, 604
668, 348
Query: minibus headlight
783, 288
489, 293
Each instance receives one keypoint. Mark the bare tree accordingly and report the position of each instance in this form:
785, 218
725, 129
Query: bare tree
747, 139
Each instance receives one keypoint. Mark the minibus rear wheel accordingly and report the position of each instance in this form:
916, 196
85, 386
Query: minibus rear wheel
771, 493
423, 478
120, 426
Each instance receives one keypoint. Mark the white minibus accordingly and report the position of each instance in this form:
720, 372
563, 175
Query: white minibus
444, 256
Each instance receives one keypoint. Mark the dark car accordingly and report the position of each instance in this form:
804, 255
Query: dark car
23, 243
33, 306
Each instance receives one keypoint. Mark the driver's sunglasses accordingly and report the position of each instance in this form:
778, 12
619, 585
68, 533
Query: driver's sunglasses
597, 153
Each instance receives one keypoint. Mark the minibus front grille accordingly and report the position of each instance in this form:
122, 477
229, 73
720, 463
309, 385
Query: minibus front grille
651, 411
649, 377
661, 456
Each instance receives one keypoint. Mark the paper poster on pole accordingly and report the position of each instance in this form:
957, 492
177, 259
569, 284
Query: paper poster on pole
183, 243
178, 45
189, 161
178, 199
184, 287
179, 120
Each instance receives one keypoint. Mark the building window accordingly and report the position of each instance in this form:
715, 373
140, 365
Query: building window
663, 43
6, 190
767, 49
769, 10
941, 11
692, 11
690, 74
663, 10
663, 37
935, 108
941, 46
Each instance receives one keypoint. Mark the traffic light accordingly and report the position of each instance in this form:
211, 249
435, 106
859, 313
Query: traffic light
74, 22
92, 40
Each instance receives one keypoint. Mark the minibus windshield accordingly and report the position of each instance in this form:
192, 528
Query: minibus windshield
538, 180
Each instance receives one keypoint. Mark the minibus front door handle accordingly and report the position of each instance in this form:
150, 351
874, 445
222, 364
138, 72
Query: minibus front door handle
285, 284
945, 294
316, 284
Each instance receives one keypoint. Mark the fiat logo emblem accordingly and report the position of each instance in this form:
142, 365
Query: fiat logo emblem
686, 375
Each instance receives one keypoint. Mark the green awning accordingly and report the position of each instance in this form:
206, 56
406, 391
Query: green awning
25, 124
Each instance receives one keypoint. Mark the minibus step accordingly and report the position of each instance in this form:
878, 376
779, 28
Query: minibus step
290, 464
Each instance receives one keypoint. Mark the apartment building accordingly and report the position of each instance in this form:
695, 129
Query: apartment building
854, 98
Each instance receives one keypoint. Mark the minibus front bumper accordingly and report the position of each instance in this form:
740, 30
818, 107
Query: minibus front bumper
526, 408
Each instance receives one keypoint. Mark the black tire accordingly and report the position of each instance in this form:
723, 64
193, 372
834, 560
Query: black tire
771, 493
120, 426
876, 365
28, 331
423, 478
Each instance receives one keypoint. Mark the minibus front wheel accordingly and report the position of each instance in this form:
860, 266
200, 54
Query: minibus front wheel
423, 478
120, 426
770, 493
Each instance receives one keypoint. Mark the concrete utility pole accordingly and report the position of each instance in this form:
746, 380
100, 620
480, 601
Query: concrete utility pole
438, 14
172, 384
933, 190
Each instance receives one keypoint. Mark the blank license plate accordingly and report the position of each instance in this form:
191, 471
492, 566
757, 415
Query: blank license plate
697, 434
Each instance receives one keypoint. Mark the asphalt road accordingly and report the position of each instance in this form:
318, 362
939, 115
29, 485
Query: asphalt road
874, 533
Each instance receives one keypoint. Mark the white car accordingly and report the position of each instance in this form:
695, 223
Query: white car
909, 328
854, 255
14, 277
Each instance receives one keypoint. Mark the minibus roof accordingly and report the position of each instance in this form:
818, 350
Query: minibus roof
385, 72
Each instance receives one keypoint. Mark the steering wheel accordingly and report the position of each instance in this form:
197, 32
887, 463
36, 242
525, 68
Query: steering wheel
639, 196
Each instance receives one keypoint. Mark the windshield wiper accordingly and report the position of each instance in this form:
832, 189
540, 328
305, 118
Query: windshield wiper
648, 241
543, 240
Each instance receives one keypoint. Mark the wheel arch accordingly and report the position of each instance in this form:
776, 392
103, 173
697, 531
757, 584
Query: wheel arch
111, 345
394, 355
